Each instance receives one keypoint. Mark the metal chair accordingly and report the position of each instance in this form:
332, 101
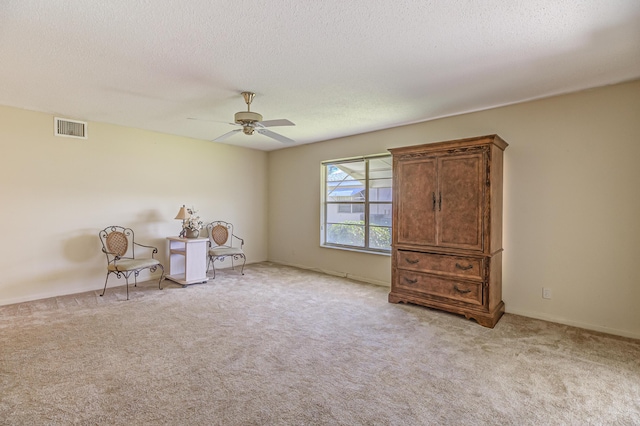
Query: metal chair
118, 244
221, 245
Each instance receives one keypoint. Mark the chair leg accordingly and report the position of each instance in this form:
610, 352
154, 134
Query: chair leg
244, 260
161, 277
213, 265
105, 285
127, 280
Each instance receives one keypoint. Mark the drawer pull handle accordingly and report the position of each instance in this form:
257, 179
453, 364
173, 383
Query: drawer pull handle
410, 281
464, 268
455, 287
412, 261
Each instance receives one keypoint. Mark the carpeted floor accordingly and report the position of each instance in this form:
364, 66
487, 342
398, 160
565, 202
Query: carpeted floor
287, 346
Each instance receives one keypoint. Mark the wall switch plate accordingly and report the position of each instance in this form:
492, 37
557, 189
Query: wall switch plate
546, 293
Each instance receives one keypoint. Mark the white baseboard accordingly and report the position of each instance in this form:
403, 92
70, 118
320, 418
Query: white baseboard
335, 273
47, 295
534, 315
578, 324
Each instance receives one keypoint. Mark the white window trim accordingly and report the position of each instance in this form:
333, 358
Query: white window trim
323, 206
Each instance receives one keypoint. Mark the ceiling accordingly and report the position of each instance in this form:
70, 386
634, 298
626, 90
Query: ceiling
333, 67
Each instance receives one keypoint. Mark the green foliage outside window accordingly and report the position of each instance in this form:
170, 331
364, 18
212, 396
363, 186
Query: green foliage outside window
352, 233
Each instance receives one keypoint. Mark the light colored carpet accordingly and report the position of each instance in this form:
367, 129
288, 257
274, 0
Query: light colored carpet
287, 346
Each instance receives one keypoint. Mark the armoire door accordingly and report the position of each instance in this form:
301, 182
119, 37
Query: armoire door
460, 201
416, 202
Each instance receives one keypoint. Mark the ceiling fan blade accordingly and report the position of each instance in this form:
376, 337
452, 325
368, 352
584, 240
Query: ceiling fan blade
211, 121
273, 123
226, 135
276, 136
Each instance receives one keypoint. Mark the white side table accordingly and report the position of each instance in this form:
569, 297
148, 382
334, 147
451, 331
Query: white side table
187, 260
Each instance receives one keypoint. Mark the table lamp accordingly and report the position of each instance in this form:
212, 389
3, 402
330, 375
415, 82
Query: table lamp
183, 215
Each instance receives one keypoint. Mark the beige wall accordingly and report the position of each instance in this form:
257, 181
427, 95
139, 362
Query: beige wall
572, 204
56, 193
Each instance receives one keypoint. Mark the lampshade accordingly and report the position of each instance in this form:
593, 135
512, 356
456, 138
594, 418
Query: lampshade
183, 214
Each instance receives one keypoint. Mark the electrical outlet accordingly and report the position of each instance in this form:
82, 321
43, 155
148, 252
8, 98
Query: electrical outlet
546, 293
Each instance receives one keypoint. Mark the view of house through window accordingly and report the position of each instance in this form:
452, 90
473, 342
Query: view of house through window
356, 203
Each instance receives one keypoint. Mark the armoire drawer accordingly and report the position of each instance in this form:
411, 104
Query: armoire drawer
468, 292
467, 267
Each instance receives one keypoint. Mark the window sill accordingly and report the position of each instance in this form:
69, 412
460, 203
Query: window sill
357, 250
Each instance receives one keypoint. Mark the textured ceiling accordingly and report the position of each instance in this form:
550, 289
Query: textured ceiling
333, 67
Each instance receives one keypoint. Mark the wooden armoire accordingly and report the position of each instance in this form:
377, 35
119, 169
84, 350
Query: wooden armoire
447, 227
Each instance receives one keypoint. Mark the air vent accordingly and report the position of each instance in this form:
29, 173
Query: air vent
69, 128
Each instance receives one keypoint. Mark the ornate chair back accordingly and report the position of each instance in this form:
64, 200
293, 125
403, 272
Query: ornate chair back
220, 234
116, 241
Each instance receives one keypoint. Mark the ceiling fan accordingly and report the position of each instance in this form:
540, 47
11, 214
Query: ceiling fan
252, 121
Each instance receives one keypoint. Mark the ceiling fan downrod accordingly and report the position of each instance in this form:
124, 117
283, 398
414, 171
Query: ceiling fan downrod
248, 97
247, 118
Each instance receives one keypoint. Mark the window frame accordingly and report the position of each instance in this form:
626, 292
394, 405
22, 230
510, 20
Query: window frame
366, 205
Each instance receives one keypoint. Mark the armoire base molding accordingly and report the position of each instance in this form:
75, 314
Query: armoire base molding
484, 318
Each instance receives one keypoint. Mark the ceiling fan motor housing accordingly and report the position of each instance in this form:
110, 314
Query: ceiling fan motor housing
246, 117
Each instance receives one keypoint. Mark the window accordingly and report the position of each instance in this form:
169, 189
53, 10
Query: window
356, 203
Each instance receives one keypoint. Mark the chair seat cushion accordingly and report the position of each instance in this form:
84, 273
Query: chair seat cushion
225, 251
133, 264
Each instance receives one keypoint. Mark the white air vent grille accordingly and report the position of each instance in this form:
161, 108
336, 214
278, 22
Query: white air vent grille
69, 128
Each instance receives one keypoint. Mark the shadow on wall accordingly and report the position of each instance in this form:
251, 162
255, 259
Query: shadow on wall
82, 248
86, 248
148, 223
